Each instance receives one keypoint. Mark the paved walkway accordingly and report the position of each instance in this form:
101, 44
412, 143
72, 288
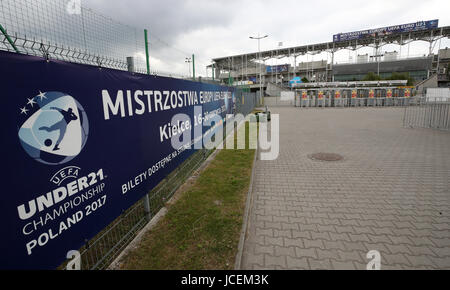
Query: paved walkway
390, 194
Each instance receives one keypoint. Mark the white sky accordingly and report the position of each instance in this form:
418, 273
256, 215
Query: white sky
216, 28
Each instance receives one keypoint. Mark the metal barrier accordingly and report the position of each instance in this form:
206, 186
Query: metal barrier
312, 99
305, 100
434, 115
361, 100
353, 98
389, 101
328, 99
357, 97
380, 97
371, 102
320, 99
339, 101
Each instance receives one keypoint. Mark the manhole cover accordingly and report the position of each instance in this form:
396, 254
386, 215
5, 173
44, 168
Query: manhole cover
326, 157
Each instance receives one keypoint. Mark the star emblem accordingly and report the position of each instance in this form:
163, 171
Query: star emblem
31, 102
23, 110
42, 95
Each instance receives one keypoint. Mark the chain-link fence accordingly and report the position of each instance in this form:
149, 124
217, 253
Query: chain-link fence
56, 30
52, 29
246, 102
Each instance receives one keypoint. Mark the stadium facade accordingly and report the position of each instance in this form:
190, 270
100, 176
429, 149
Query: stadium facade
246, 69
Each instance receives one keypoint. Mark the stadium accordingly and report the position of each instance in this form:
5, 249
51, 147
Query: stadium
432, 70
142, 135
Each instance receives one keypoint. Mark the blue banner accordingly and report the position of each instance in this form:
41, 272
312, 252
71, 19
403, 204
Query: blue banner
82, 144
384, 31
277, 68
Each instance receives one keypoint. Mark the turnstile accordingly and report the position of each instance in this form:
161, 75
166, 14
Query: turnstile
354, 98
320, 99
389, 100
340, 98
380, 97
371, 102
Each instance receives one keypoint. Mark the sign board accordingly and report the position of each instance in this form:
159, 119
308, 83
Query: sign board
277, 68
384, 31
84, 144
438, 95
295, 81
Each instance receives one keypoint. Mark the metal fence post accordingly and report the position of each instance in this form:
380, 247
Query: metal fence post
3, 30
193, 67
146, 51
148, 213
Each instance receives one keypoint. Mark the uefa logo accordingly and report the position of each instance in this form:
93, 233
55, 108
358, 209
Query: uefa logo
56, 128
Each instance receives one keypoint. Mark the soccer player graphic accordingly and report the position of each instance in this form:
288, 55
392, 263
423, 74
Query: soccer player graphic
68, 116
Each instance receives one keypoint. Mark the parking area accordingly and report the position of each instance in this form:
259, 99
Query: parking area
390, 193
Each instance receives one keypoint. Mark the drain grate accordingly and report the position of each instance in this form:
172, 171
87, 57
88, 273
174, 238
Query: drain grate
326, 157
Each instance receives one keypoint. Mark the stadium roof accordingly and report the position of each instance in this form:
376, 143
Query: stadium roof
428, 35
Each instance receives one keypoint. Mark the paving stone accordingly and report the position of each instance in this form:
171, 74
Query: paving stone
288, 242
319, 264
385, 195
284, 233
263, 249
273, 261
278, 241
351, 256
339, 265
335, 245
395, 259
327, 254
302, 253
256, 259
297, 263
301, 234
313, 243
284, 251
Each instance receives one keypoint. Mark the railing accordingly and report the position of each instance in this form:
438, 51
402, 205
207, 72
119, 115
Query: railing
433, 115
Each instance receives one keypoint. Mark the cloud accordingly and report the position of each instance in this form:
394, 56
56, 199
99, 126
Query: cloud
170, 18
212, 28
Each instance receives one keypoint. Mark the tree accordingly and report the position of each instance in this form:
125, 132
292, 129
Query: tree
371, 76
402, 76
394, 76
305, 80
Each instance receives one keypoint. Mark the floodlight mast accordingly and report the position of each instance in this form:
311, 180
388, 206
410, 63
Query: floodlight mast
188, 61
260, 66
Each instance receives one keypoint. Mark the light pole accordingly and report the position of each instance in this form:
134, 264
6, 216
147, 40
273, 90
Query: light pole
188, 61
260, 66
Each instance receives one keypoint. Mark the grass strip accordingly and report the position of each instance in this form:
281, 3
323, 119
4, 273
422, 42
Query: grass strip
201, 230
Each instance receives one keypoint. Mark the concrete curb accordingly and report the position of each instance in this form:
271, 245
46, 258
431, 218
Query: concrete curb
248, 207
